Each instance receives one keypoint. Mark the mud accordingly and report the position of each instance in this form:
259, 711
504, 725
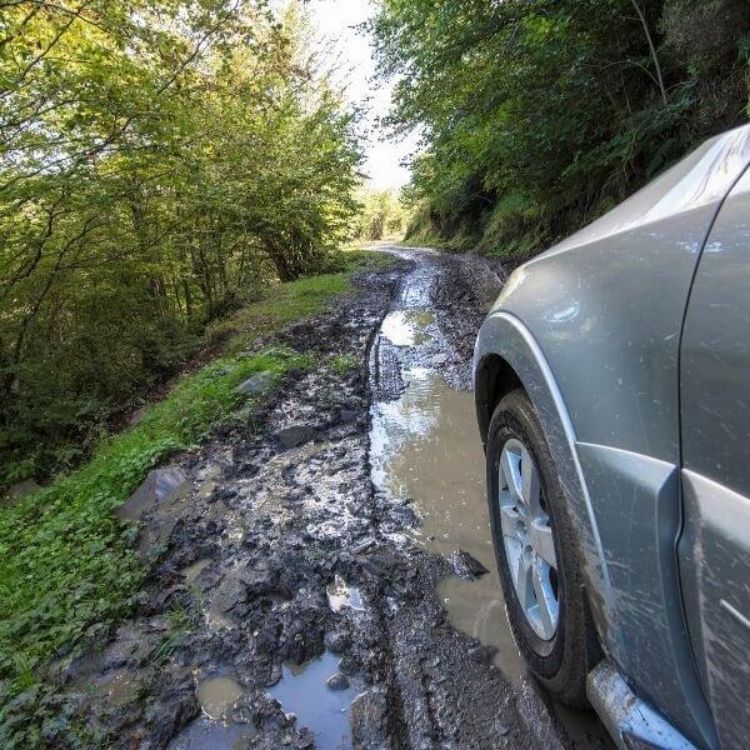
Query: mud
304, 587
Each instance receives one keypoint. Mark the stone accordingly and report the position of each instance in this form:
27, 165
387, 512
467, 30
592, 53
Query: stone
131, 647
465, 566
256, 384
347, 416
161, 486
337, 681
440, 359
296, 435
20, 490
337, 643
230, 593
137, 416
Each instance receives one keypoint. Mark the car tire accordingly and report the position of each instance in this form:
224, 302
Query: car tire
553, 626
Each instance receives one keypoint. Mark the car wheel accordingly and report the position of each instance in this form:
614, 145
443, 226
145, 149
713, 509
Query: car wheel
539, 570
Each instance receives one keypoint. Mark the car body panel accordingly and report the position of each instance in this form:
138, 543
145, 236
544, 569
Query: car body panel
604, 310
714, 552
636, 504
715, 563
608, 355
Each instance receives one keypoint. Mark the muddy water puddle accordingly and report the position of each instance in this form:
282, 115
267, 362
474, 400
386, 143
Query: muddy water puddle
425, 446
303, 691
218, 695
204, 734
407, 327
343, 596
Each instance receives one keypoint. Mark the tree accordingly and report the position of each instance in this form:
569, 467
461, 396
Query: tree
541, 115
160, 160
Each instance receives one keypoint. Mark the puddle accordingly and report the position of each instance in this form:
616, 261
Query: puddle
303, 692
194, 570
165, 487
478, 609
343, 596
217, 695
203, 734
425, 446
407, 327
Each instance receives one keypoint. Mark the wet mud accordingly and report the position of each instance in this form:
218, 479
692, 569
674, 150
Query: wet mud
321, 570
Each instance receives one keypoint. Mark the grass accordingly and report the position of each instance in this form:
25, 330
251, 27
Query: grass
343, 364
285, 303
67, 566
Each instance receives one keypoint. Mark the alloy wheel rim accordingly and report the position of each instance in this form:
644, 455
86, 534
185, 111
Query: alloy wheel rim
527, 536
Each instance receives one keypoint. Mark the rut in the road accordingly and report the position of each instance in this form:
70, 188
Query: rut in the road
456, 697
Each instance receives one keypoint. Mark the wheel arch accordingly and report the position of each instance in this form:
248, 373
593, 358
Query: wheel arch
494, 377
507, 356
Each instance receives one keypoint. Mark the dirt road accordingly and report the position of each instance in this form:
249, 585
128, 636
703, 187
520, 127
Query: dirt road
318, 567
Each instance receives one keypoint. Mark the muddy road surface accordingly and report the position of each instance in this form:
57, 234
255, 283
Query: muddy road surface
322, 573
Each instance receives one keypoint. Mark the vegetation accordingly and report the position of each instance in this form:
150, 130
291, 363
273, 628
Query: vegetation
383, 216
67, 566
161, 162
540, 115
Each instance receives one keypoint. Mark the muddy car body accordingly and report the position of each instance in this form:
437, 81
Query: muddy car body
630, 342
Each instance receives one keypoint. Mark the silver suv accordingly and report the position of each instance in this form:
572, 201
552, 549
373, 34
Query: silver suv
612, 382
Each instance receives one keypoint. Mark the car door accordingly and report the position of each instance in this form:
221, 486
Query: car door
714, 550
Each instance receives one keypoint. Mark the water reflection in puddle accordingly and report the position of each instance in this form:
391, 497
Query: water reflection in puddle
204, 734
303, 692
407, 327
218, 695
425, 446
343, 596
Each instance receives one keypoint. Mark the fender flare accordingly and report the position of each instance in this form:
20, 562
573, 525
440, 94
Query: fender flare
504, 342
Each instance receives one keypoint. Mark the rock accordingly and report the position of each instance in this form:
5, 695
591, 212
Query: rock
256, 384
465, 566
231, 593
383, 562
137, 416
440, 359
27, 487
347, 416
161, 486
296, 435
130, 647
337, 643
368, 717
364, 545
337, 681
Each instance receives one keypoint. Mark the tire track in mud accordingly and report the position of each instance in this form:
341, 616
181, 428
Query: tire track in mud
453, 695
425, 450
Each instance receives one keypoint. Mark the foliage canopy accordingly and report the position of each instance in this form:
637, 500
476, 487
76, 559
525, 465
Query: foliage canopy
540, 115
160, 161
